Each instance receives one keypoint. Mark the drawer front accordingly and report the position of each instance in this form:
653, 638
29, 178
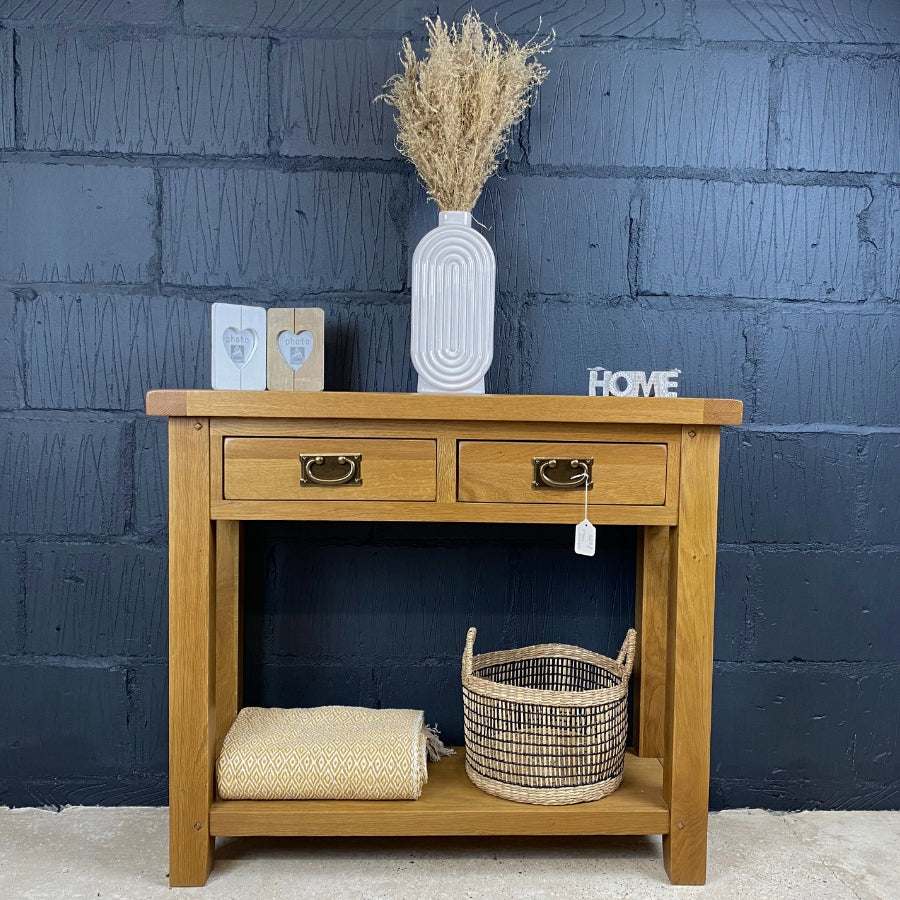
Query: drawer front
503, 472
271, 469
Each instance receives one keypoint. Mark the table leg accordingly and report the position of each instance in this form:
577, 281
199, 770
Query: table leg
229, 561
689, 657
191, 653
649, 676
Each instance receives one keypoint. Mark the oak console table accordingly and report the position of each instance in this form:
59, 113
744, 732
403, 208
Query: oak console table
653, 462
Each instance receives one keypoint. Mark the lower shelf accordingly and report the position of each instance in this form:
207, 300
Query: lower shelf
451, 805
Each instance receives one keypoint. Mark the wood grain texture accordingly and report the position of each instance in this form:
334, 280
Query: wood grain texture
651, 607
191, 654
451, 804
269, 469
503, 472
229, 625
689, 658
490, 407
281, 376
429, 511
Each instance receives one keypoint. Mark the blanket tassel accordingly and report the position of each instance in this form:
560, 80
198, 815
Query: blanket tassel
434, 746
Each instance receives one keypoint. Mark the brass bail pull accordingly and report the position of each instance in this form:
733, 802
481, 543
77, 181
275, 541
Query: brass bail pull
563, 475
313, 468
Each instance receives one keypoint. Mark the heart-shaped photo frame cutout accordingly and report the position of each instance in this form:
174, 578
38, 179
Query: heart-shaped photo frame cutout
240, 345
296, 348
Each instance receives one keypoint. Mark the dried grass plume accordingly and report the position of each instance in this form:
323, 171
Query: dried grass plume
456, 105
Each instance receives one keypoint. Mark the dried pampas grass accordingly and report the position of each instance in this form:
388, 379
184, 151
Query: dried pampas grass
456, 106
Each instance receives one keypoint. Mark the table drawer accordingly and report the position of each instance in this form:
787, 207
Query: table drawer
271, 469
630, 474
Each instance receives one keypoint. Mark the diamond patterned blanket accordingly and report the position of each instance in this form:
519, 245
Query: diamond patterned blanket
326, 753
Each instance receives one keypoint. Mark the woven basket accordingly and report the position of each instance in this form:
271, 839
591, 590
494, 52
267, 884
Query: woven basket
546, 724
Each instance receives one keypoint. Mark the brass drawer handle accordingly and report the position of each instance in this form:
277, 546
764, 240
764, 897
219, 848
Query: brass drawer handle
329, 470
582, 469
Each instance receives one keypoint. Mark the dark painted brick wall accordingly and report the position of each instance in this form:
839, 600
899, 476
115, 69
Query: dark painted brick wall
712, 185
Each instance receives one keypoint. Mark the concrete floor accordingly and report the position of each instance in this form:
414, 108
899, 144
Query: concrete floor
89, 852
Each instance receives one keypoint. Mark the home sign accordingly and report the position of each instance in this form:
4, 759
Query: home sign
607, 383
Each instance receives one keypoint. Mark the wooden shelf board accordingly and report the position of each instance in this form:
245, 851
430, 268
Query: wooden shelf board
344, 405
451, 805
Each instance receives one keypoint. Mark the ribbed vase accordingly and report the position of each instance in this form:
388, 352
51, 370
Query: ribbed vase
453, 279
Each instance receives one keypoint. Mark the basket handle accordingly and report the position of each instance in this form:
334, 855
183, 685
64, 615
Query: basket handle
626, 654
467, 653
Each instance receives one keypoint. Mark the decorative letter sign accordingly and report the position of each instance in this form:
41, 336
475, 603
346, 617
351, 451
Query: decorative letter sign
296, 342
238, 347
633, 384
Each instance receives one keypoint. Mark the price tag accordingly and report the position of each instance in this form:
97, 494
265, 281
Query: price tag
585, 538
585, 533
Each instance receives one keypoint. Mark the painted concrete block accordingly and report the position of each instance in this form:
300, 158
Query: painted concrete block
305, 230
797, 721
578, 18
62, 476
9, 353
151, 475
119, 790
96, 600
606, 107
106, 351
287, 15
876, 757
177, 94
839, 115
561, 339
796, 242
76, 12
553, 235
327, 93
881, 490
11, 609
63, 721
889, 234
807, 21
433, 688
534, 591
736, 613
787, 487
367, 344
149, 726
818, 366
95, 223
290, 684
803, 595
7, 88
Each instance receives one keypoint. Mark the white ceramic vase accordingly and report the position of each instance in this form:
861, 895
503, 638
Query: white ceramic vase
453, 279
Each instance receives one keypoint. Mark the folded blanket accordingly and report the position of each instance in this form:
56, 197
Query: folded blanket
326, 753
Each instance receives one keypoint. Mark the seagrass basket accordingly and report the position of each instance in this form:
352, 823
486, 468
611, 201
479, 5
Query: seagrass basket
546, 724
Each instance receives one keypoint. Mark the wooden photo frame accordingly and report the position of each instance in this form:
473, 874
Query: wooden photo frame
296, 349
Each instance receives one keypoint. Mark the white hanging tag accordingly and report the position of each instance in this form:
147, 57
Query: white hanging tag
585, 538
585, 532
